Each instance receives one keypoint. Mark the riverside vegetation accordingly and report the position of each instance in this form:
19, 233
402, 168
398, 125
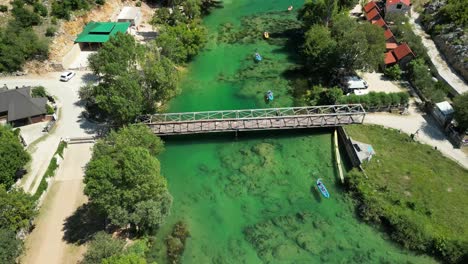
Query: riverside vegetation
418, 195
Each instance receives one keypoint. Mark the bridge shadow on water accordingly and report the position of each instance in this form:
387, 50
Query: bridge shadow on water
224, 137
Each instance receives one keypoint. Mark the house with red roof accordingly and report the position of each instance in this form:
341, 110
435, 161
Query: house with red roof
402, 55
389, 37
397, 6
391, 46
369, 6
373, 15
380, 22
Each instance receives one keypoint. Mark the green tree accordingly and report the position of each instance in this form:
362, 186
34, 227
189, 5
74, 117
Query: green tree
160, 79
393, 72
14, 157
181, 43
359, 46
125, 183
317, 12
319, 50
102, 246
16, 209
24, 17
117, 56
331, 96
18, 44
137, 135
460, 105
10, 246
120, 100
125, 259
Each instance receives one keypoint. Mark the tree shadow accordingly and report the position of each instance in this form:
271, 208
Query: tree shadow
83, 224
89, 78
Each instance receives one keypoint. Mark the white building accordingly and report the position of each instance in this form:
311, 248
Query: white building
130, 14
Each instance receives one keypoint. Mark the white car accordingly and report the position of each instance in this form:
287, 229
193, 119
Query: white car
66, 76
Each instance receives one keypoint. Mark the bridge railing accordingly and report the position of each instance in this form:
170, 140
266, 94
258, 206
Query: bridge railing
246, 114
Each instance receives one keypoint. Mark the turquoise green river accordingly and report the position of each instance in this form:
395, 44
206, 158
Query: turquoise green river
252, 199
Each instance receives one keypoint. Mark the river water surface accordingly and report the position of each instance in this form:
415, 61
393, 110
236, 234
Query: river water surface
252, 199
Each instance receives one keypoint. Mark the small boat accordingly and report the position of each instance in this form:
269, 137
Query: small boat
322, 188
269, 96
290, 8
258, 57
266, 35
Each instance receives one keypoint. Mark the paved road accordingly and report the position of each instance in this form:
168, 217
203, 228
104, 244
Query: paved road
428, 131
449, 75
45, 244
70, 124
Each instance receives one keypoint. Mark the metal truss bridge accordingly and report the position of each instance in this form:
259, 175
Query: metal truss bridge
254, 119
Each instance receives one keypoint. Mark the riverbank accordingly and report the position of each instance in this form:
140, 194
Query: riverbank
420, 196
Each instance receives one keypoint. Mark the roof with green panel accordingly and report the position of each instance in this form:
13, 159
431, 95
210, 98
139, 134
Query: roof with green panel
100, 32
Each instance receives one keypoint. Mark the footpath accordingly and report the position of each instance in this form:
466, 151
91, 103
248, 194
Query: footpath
46, 245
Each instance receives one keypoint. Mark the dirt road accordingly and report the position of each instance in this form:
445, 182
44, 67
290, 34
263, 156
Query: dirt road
45, 245
443, 68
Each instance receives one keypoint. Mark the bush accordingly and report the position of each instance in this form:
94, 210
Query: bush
50, 31
100, 2
3, 8
50, 110
393, 72
138, 4
40, 9
38, 91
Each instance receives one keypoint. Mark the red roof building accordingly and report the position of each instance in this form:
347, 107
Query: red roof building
389, 58
373, 15
369, 6
391, 46
380, 22
388, 34
402, 51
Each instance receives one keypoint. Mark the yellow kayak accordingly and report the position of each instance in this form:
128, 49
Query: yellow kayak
266, 35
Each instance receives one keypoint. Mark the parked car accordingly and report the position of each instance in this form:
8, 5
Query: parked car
66, 76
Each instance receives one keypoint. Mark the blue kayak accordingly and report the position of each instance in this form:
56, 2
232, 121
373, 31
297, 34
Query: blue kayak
322, 188
258, 57
269, 96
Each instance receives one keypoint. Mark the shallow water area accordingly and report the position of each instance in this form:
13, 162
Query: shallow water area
253, 198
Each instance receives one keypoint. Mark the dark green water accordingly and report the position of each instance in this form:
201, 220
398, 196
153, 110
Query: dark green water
252, 199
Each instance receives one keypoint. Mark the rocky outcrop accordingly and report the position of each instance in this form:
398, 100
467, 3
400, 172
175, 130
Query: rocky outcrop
450, 39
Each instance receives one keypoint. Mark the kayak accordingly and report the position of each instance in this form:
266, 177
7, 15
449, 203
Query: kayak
322, 188
266, 35
258, 57
269, 96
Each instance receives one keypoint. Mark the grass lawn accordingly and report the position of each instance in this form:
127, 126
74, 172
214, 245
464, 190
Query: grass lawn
411, 188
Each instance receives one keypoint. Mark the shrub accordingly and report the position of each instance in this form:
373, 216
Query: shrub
50, 110
38, 91
40, 9
138, 4
50, 31
100, 2
393, 72
3, 8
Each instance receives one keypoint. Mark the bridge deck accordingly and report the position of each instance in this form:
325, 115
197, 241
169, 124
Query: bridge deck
255, 119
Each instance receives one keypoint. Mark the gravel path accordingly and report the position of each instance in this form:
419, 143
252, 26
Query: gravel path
443, 68
45, 245
428, 131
